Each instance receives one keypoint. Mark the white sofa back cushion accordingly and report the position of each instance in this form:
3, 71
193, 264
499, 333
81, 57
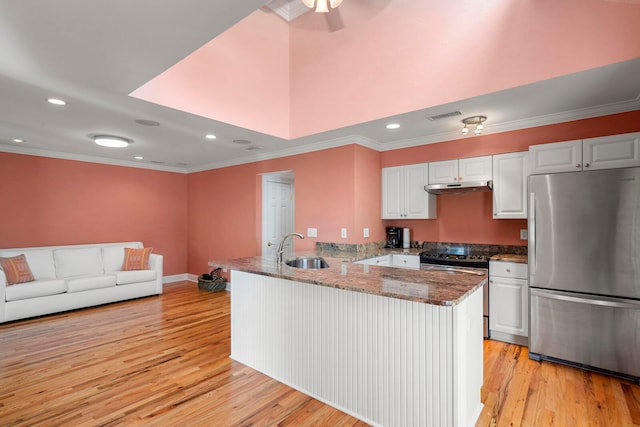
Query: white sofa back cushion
40, 261
113, 255
78, 262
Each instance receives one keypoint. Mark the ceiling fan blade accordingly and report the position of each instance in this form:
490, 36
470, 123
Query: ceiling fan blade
334, 20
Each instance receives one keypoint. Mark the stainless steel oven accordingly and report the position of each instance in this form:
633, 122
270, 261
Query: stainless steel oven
457, 259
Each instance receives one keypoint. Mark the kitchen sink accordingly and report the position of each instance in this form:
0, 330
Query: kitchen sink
307, 262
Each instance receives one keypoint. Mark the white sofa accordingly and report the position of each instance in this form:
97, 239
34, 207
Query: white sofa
75, 276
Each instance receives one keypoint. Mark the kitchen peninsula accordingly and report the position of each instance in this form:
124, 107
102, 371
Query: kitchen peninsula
391, 346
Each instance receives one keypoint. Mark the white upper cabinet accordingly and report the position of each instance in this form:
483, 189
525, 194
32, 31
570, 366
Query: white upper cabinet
461, 170
557, 157
510, 172
475, 169
608, 152
403, 195
443, 172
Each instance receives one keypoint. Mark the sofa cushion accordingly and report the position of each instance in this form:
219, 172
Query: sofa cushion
39, 288
40, 261
16, 269
86, 283
135, 276
113, 255
136, 259
78, 262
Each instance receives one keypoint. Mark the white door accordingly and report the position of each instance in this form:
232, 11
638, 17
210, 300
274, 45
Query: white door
277, 211
443, 172
510, 173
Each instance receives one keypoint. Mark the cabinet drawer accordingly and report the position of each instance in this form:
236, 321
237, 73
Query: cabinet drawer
406, 261
508, 269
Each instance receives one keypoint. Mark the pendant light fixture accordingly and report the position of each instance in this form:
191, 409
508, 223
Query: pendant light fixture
322, 5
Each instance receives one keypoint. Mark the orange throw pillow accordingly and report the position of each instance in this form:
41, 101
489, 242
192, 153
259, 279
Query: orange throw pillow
136, 259
16, 269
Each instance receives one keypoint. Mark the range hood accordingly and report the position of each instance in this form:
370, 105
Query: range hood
462, 187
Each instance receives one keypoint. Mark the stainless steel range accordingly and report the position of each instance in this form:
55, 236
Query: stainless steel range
456, 259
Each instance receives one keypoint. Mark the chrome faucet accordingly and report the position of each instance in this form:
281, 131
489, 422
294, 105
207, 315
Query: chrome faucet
281, 246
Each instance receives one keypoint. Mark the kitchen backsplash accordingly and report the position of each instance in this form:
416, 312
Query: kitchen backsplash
468, 248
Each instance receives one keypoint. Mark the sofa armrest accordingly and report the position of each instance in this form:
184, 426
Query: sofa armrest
3, 294
155, 263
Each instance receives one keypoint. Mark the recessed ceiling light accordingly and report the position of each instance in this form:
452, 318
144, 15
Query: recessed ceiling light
393, 126
56, 101
111, 141
138, 157
144, 122
210, 136
18, 140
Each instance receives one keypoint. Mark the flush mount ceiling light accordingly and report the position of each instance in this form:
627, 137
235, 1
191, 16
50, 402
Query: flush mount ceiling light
210, 136
18, 140
473, 120
321, 5
56, 101
111, 141
393, 126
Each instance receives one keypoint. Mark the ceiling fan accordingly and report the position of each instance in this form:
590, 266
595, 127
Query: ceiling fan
321, 5
333, 18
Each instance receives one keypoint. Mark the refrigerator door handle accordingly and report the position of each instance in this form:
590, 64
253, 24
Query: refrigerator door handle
532, 234
594, 300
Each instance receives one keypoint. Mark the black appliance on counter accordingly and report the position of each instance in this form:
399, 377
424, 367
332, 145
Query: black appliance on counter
394, 237
457, 258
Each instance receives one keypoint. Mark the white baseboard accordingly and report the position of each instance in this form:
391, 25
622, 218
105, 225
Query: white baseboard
177, 278
192, 278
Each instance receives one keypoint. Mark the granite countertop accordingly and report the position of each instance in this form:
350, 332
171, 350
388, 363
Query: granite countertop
434, 286
521, 259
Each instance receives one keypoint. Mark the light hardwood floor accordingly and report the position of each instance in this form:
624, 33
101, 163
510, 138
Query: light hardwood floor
164, 361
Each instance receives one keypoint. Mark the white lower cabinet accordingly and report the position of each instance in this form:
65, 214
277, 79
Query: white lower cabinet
384, 260
406, 261
508, 302
394, 260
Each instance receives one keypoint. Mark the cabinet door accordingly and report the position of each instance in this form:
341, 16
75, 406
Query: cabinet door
617, 151
393, 192
406, 261
444, 172
418, 204
510, 172
475, 169
508, 306
556, 157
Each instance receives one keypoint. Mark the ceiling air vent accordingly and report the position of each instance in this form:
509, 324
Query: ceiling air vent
445, 115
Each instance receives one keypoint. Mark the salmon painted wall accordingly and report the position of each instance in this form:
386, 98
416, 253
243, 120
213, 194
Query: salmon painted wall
57, 202
387, 58
392, 57
468, 217
225, 204
241, 77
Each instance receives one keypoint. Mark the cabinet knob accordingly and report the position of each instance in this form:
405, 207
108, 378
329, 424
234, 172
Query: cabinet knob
578, 165
586, 165
405, 261
455, 178
508, 270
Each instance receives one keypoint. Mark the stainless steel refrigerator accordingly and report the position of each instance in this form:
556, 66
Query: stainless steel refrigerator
584, 269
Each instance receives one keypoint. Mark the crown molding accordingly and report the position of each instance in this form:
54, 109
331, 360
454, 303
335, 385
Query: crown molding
549, 119
544, 120
89, 159
303, 149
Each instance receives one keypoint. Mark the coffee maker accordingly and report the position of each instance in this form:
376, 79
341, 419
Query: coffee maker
394, 237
